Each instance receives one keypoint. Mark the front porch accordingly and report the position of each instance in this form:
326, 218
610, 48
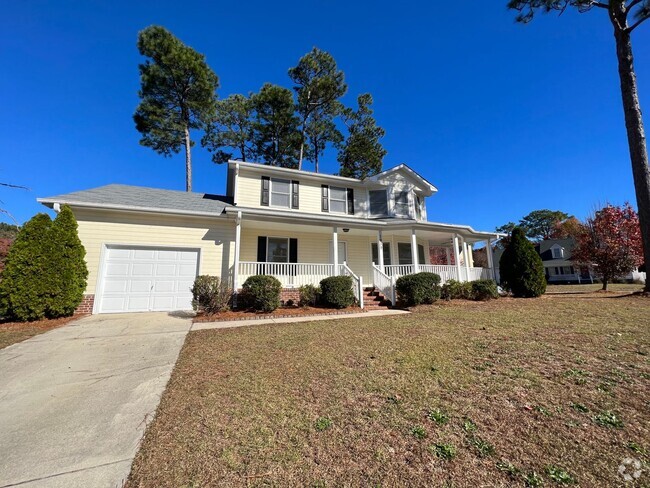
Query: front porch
374, 253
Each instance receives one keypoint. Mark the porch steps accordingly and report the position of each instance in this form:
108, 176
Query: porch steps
374, 300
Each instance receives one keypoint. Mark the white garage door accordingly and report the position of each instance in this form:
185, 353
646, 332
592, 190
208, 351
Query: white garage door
139, 279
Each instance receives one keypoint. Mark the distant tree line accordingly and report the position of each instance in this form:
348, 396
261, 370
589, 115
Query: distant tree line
277, 126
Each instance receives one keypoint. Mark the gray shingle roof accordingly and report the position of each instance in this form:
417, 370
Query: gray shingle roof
138, 197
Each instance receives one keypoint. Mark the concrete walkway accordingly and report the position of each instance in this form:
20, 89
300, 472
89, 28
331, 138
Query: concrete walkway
226, 324
74, 402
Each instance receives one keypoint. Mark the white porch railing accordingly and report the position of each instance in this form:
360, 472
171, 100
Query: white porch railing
357, 282
384, 283
446, 272
291, 275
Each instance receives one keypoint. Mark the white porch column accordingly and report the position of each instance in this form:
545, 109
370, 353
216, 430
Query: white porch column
490, 258
466, 258
448, 255
414, 252
456, 243
235, 271
380, 250
335, 250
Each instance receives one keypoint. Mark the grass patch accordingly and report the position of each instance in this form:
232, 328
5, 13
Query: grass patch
241, 405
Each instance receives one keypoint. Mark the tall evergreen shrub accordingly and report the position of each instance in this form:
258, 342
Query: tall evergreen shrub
521, 268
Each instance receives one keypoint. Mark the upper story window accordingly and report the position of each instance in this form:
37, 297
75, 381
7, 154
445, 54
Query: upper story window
378, 203
558, 252
402, 204
278, 192
418, 207
338, 200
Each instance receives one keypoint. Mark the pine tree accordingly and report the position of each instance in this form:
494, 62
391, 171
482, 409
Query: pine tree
178, 93
26, 282
362, 154
68, 282
521, 268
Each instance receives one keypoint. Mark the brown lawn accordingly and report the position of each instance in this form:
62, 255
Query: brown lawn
13, 332
457, 394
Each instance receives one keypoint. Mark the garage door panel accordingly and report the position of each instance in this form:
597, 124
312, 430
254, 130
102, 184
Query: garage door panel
142, 279
166, 270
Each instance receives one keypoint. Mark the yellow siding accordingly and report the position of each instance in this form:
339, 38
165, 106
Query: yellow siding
249, 189
215, 237
314, 248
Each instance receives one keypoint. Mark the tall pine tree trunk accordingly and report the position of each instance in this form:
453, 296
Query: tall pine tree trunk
188, 160
635, 135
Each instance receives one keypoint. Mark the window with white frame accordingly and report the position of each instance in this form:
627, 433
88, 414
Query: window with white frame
277, 250
402, 203
280, 193
338, 199
378, 203
558, 252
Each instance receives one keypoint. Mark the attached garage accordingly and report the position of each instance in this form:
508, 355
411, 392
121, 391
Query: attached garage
143, 279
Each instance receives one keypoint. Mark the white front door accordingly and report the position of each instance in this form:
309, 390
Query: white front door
343, 252
142, 279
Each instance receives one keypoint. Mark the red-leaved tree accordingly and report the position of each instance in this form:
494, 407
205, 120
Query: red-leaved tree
610, 241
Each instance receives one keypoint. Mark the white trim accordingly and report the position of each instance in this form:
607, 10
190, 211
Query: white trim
330, 249
263, 168
404, 168
103, 253
130, 208
235, 185
345, 200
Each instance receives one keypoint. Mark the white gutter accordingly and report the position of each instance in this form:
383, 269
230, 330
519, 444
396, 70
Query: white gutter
130, 208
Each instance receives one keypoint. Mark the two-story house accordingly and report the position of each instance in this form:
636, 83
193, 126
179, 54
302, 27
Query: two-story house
145, 246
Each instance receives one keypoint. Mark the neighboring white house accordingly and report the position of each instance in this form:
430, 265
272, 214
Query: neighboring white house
145, 246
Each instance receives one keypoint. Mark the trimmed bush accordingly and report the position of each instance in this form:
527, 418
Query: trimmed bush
417, 289
308, 295
336, 292
484, 290
262, 293
25, 278
456, 290
210, 295
521, 268
45, 272
67, 266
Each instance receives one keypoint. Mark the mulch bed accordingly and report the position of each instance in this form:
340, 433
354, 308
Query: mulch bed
13, 332
280, 313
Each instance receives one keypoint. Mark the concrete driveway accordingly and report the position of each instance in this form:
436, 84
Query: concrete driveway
74, 402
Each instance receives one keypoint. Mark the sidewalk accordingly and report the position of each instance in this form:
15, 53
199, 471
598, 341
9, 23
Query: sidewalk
227, 324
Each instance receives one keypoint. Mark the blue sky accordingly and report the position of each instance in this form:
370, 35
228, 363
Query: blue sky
502, 118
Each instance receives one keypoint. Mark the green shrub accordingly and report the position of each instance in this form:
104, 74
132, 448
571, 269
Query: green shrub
66, 267
262, 293
484, 290
26, 277
210, 294
308, 295
336, 292
521, 268
456, 290
418, 288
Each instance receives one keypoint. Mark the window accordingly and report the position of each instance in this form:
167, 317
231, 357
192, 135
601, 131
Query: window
404, 253
421, 254
338, 200
378, 202
558, 252
418, 207
280, 193
402, 204
277, 250
375, 254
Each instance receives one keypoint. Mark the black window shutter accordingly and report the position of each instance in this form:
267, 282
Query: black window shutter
293, 250
294, 194
261, 249
350, 201
266, 186
325, 200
